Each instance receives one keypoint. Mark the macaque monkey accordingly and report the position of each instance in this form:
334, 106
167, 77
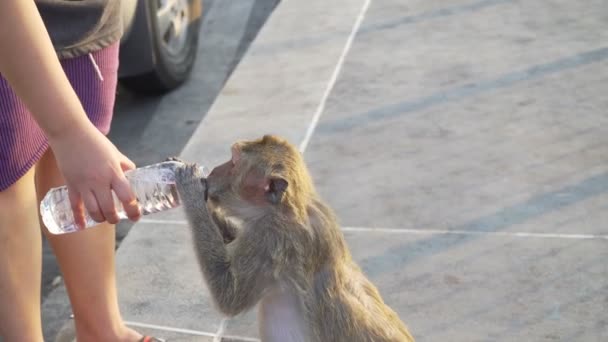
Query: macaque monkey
263, 235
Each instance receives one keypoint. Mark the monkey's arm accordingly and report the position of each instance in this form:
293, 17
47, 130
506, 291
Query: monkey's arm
236, 277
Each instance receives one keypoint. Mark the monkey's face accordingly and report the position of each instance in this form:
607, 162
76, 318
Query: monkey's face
225, 183
252, 178
262, 176
219, 182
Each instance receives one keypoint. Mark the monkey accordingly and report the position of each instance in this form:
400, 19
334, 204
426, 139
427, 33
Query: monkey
264, 236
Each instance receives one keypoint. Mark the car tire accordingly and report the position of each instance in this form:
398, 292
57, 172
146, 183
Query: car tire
174, 48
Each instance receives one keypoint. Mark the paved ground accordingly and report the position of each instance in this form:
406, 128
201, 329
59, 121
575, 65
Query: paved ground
461, 143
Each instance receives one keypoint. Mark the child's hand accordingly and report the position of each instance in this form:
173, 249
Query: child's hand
92, 167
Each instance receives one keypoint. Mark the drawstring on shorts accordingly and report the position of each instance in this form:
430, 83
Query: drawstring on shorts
96, 67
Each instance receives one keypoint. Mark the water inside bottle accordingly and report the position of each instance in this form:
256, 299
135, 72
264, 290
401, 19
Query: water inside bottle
155, 197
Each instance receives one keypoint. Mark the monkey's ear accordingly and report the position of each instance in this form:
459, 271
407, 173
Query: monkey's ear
275, 187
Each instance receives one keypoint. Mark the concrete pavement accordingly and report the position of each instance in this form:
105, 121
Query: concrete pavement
463, 144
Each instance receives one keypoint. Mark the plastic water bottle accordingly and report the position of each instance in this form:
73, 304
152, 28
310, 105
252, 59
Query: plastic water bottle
153, 185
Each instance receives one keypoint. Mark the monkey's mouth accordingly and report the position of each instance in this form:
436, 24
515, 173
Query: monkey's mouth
206, 185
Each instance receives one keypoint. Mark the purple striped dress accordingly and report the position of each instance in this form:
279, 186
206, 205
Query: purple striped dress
22, 142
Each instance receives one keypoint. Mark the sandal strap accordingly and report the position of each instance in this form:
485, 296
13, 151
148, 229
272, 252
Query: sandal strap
151, 339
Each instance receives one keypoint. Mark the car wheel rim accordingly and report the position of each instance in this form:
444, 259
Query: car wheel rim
172, 24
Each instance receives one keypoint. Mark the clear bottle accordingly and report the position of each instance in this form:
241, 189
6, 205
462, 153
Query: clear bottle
153, 185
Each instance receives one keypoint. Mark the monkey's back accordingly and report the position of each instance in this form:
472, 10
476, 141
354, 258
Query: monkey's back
346, 306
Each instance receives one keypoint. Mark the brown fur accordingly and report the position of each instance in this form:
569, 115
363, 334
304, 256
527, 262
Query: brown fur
255, 237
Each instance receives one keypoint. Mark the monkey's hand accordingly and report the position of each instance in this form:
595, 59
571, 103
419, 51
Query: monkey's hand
191, 185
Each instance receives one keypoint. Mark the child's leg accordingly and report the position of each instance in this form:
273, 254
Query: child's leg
20, 262
86, 260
